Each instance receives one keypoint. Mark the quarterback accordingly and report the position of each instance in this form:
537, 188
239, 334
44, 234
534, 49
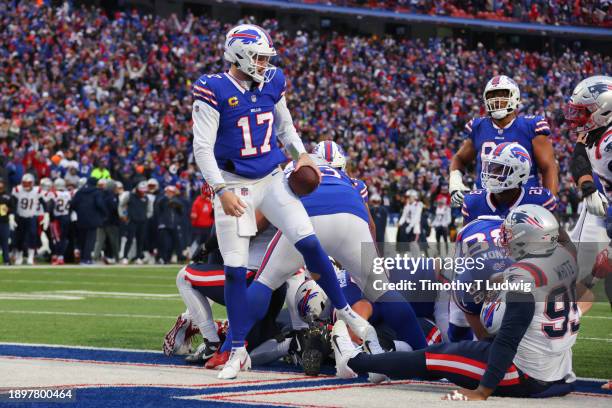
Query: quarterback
238, 118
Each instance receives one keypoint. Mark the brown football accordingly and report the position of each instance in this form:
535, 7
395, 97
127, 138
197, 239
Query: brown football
304, 181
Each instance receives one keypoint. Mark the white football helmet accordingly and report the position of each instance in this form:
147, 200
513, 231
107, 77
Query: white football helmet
46, 184
529, 229
27, 181
331, 153
492, 313
499, 107
311, 302
250, 48
59, 184
590, 106
507, 166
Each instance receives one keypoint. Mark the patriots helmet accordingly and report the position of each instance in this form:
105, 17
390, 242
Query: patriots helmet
250, 48
590, 106
331, 153
499, 106
27, 181
505, 167
529, 229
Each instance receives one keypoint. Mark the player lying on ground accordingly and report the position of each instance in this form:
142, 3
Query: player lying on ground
237, 117
531, 353
502, 98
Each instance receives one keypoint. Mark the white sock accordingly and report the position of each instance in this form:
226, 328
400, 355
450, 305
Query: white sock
270, 351
351, 318
401, 346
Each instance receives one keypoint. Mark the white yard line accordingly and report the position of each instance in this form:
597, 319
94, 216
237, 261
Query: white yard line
608, 340
78, 282
45, 312
92, 274
85, 267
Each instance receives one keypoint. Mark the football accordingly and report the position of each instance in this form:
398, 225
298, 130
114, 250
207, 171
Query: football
303, 181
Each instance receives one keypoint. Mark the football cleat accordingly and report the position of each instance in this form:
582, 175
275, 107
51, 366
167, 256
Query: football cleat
218, 360
316, 346
344, 350
204, 352
239, 360
372, 346
177, 341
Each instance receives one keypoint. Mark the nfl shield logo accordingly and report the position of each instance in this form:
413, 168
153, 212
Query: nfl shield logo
244, 191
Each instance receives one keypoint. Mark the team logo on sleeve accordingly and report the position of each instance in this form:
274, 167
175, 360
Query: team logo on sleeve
233, 101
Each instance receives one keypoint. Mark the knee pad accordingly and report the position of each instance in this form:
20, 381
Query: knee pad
181, 282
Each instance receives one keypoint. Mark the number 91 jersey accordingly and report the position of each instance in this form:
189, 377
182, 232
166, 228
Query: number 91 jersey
485, 136
246, 142
545, 350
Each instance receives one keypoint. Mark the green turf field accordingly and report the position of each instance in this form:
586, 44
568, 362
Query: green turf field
130, 307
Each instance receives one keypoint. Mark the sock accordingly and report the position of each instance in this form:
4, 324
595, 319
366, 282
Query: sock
318, 262
227, 344
235, 295
399, 315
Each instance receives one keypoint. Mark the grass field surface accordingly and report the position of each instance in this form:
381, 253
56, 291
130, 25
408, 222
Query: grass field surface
133, 307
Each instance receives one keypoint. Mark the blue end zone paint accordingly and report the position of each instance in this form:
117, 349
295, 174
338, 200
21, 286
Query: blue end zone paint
142, 396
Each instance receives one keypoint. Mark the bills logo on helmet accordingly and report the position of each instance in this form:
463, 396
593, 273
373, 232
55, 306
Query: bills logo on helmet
492, 314
312, 302
246, 36
521, 154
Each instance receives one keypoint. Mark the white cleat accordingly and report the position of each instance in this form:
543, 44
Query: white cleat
344, 350
239, 360
372, 346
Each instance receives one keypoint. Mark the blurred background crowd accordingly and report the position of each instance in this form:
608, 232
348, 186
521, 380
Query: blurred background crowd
89, 96
557, 12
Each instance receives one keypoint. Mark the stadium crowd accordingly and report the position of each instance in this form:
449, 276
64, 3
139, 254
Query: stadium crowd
556, 12
89, 96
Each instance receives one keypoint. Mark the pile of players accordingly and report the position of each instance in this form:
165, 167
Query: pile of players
512, 336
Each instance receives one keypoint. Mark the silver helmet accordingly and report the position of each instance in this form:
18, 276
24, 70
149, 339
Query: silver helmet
590, 106
46, 184
529, 229
59, 184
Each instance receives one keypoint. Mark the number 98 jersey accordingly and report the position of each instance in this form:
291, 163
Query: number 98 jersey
246, 142
485, 136
545, 350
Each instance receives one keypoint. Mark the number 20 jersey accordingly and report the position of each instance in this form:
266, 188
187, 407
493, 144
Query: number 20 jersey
246, 142
545, 352
486, 136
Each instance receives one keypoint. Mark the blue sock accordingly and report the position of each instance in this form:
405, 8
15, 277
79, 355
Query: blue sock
227, 344
458, 333
318, 262
399, 315
235, 299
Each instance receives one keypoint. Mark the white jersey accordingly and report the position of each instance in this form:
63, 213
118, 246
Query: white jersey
545, 352
600, 156
61, 203
28, 202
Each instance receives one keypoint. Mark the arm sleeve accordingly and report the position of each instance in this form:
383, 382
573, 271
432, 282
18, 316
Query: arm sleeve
468, 130
285, 131
205, 126
520, 308
541, 127
580, 164
550, 201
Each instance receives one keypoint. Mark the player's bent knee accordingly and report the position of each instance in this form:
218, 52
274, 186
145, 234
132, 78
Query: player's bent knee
308, 244
181, 281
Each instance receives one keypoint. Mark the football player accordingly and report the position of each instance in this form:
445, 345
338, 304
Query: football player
589, 114
60, 223
238, 118
531, 354
28, 199
6, 215
505, 174
502, 98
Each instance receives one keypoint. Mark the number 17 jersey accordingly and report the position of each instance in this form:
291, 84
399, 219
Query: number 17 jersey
246, 142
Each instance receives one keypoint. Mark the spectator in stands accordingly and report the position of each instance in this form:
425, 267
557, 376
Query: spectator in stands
169, 211
91, 211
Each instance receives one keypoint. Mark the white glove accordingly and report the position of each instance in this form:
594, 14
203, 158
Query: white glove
456, 188
12, 223
73, 216
596, 204
45, 221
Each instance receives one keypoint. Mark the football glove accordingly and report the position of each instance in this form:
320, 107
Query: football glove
596, 203
456, 188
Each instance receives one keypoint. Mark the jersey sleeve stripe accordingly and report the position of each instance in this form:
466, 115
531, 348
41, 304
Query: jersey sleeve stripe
205, 91
537, 274
551, 201
201, 97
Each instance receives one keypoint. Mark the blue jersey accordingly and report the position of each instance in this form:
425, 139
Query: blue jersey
360, 185
246, 142
478, 240
480, 202
336, 194
485, 136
